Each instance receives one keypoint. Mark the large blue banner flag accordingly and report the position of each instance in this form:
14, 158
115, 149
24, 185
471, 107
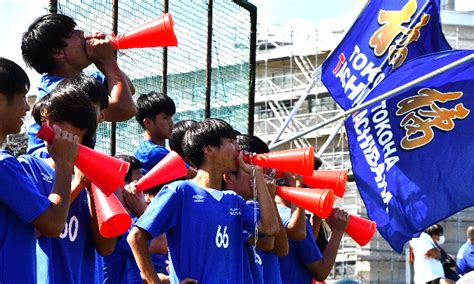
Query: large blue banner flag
412, 154
386, 34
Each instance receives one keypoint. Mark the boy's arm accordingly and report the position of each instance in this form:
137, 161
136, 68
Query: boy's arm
338, 222
296, 228
268, 223
121, 106
104, 246
280, 243
63, 150
315, 221
138, 241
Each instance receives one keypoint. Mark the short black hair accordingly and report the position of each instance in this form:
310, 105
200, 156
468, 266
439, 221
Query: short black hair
252, 144
135, 164
93, 88
177, 135
68, 103
208, 132
435, 229
151, 104
13, 79
44, 35
317, 163
154, 190
17, 144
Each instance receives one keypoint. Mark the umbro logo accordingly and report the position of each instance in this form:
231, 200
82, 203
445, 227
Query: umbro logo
235, 211
198, 198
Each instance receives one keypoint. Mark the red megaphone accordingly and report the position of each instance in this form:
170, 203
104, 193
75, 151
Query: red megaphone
316, 201
298, 161
169, 168
361, 230
335, 180
158, 32
112, 218
105, 171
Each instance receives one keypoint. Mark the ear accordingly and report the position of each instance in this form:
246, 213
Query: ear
228, 178
147, 122
58, 54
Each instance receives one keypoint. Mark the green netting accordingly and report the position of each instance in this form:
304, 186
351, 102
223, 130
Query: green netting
186, 63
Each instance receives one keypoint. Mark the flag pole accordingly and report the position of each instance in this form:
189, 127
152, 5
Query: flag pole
377, 99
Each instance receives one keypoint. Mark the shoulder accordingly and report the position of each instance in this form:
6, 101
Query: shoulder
8, 161
47, 83
6, 156
179, 186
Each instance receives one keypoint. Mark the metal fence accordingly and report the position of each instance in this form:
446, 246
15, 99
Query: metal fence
210, 74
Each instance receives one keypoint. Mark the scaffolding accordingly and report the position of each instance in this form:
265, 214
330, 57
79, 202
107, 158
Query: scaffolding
286, 57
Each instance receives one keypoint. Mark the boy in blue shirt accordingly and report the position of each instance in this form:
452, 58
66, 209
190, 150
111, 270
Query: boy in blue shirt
261, 265
55, 49
155, 115
71, 258
304, 261
204, 226
465, 257
22, 208
120, 266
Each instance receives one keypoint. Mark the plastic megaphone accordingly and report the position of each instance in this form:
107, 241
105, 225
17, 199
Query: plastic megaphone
361, 230
335, 180
105, 171
316, 201
169, 168
158, 32
298, 161
112, 218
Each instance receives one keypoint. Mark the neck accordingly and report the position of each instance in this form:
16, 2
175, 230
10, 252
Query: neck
157, 141
209, 178
65, 71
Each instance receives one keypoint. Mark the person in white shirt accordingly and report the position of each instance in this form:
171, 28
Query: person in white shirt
427, 267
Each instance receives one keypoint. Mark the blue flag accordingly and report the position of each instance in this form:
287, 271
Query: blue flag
386, 34
412, 154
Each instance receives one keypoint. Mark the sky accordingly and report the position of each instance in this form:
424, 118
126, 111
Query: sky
16, 15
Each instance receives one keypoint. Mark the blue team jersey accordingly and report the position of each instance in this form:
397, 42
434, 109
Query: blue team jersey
149, 154
70, 258
293, 266
270, 267
205, 231
20, 204
120, 266
465, 258
253, 270
47, 84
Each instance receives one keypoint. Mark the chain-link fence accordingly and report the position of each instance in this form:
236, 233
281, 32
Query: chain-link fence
188, 67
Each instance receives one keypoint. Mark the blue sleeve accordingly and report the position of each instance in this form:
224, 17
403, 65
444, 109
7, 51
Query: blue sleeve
248, 215
307, 250
461, 266
18, 192
161, 215
461, 261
